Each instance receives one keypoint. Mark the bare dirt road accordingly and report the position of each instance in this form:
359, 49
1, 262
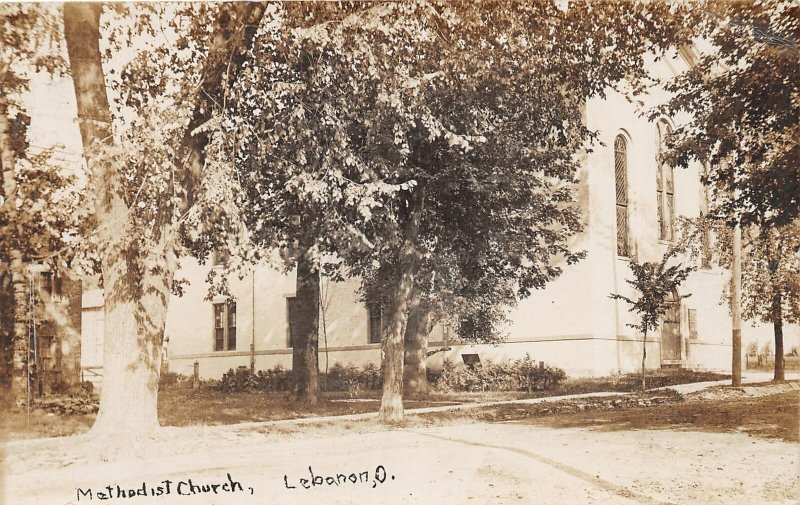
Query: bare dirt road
473, 463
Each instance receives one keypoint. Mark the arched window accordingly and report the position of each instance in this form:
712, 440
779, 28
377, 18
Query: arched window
665, 187
621, 178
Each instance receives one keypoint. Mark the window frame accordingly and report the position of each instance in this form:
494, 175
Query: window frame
228, 320
665, 187
622, 202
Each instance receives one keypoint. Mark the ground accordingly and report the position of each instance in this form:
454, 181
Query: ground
182, 406
791, 363
709, 447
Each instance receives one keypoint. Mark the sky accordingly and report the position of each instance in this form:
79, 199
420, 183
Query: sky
51, 105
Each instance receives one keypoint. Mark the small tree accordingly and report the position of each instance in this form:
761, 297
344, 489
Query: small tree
655, 282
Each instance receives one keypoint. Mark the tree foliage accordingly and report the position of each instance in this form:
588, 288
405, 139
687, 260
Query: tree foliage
743, 98
428, 143
655, 282
39, 202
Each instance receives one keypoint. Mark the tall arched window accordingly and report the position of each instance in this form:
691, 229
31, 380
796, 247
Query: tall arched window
665, 187
621, 177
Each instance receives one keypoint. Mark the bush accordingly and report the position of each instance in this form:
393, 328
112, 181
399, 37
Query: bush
242, 379
345, 378
519, 375
352, 380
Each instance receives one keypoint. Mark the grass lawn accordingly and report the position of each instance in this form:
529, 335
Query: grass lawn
186, 407
19, 424
771, 416
790, 364
180, 406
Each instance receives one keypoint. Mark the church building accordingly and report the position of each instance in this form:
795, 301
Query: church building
631, 202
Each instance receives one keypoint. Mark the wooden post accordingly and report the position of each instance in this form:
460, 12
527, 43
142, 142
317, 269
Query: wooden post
736, 307
196, 380
253, 325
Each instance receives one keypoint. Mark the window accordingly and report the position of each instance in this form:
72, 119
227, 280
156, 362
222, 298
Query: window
225, 326
621, 177
219, 258
665, 187
50, 284
375, 324
291, 319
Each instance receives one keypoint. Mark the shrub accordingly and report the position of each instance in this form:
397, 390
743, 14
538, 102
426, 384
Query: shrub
346, 378
352, 380
519, 375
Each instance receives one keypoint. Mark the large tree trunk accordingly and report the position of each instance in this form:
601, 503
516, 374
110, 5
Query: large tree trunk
19, 355
136, 298
777, 324
392, 343
133, 325
305, 348
418, 327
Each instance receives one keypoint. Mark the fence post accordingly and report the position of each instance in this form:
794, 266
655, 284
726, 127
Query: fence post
196, 381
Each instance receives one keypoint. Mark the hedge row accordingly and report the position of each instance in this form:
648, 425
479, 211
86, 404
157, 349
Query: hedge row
520, 375
346, 378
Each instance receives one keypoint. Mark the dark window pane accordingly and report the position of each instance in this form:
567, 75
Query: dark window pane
219, 258
232, 338
375, 324
219, 339
622, 230
46, 283
670, 232
232, 315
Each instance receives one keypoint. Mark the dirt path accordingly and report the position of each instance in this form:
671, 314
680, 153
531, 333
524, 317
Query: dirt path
680, 452
469, 463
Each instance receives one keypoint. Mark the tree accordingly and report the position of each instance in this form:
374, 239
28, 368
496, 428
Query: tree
148, 184
463, 285
744, 125
744, 114
419, 127
270, 154
656, 283
770, 277
38, 202
771, 282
